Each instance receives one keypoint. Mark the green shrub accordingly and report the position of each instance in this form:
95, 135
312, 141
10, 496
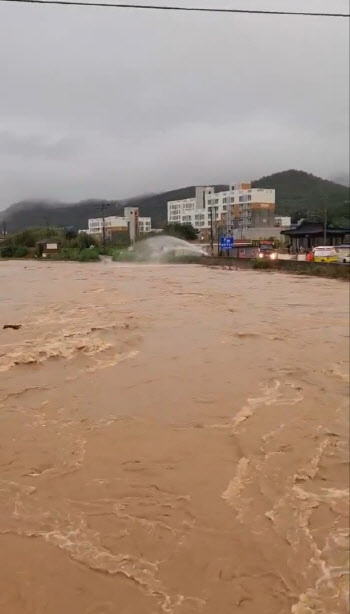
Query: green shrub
88, 255
20, 252
110, 251
124, 256
182, 231
7, 251
119, 239
66, 253
83, 241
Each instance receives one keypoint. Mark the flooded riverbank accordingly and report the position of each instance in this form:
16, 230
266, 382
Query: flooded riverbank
173, 439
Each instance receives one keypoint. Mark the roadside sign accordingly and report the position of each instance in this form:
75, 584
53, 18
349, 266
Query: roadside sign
226, 242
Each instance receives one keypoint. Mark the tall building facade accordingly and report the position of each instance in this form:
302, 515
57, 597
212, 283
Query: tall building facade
192, 210
112, 222
240, 207
131, 222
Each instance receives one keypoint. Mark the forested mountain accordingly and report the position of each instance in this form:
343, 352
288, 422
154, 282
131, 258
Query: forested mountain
298, 194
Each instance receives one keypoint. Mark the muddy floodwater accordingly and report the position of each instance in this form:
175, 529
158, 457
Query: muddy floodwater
173, 439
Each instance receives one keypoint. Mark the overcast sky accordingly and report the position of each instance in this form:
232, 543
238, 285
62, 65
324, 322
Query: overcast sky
113, 103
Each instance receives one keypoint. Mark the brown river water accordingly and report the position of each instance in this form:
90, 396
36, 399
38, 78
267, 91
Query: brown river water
173, 439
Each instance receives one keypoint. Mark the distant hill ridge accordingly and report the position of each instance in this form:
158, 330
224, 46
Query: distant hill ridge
298, 194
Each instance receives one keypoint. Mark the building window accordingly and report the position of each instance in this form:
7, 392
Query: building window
224, 200
249, 197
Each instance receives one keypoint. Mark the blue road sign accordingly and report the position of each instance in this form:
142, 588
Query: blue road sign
226, 242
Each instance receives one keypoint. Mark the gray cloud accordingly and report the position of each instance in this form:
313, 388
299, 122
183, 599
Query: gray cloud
113, 103
36, 145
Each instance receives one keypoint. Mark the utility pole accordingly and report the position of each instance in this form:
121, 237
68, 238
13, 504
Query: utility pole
325, 221
103, 208
228, 219
211, 232
47, 222
103, 225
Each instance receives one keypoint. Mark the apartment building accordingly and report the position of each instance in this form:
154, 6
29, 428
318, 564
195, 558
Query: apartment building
145, 225
137, 225
192, 210
131, 222
283, 221
112, 222
241, 207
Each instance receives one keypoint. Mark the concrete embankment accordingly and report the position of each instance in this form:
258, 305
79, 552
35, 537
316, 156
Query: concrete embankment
336, 271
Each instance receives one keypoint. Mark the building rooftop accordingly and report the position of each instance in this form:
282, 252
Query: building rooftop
304, 228
49, 240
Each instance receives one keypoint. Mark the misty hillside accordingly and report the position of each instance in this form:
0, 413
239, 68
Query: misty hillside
29, 213
298, 194
343, 179
33, 213
301, 194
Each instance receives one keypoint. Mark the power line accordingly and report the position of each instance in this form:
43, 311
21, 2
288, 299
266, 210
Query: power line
151, 7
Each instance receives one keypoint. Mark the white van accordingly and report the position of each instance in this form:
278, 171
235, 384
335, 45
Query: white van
325, 253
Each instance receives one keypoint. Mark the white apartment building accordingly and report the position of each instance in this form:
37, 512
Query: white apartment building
114, 223
192, 210
95, 225
145, 225
247, 207
283, 221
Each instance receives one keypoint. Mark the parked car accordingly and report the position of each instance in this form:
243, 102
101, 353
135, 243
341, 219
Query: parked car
325, 253
344, 259
343, 252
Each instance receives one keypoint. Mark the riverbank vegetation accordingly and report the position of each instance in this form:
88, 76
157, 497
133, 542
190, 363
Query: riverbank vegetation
79, 247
